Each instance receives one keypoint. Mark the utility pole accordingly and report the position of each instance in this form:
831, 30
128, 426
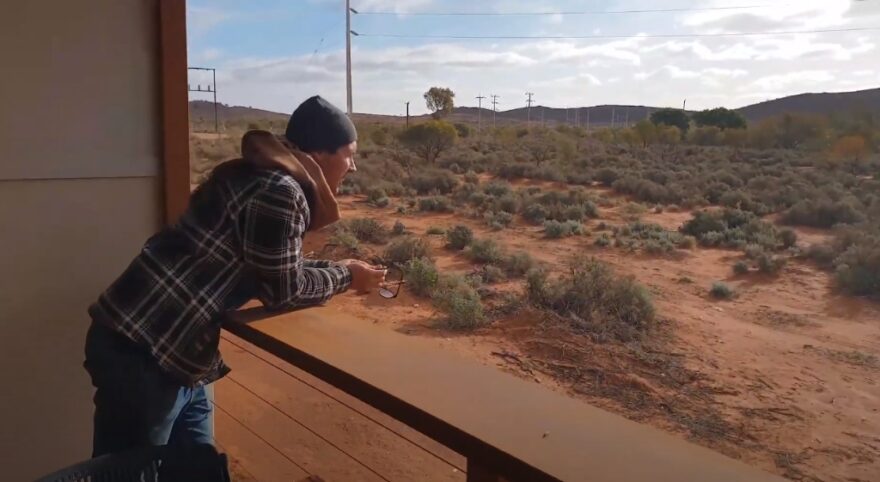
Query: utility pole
348, 56
494, 109
684, 105
210, 88
480, 112
529, 110
407, 113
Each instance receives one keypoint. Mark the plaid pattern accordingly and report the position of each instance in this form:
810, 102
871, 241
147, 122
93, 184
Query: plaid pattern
240, 238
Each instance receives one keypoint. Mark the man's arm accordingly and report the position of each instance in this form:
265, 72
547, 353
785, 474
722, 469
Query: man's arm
273, 223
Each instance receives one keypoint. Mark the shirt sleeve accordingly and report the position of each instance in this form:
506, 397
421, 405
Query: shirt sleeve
317, 263
273, 224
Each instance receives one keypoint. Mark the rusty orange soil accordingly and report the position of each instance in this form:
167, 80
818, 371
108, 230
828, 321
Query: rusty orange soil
784, 376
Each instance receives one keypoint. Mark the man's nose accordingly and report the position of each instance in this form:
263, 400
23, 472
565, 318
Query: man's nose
352, 167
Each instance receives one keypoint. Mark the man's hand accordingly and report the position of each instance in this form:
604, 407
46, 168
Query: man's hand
364, 276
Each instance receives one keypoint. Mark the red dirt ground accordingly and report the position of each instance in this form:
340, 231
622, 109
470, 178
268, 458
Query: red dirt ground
784, 376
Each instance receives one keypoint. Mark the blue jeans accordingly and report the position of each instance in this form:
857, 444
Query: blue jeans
136, 403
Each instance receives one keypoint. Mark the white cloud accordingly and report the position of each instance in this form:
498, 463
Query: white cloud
779, 82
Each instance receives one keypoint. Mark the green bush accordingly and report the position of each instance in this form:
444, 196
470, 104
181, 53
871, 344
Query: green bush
471, 177
492, 274
459, 237
823, 213
378, 197
435, 204
460, 302
398, 228
535, 213
740, 267
857, 268
788, 238
518, 264
770, 264
603, 240
485, 251
433, 181
345, 239
555, 229
421, 276
731, 228
595, 299
721, 291
402, 250
367, 230
498, 220
435, 231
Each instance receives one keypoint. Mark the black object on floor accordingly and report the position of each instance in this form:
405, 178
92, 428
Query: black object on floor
179, 463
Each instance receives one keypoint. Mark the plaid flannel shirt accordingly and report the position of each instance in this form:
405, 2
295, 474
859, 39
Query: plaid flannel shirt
241, 238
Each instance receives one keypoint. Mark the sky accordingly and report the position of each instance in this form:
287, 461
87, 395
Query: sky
273, 54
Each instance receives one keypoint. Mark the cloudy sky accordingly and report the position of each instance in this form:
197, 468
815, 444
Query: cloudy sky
272, 54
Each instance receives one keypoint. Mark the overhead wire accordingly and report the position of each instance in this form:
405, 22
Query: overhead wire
564, 12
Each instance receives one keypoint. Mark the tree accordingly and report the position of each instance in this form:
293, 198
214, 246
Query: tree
850, 147
672, 117
645, 132
429, 139
668, 135
721, 118
540, 147
439, 101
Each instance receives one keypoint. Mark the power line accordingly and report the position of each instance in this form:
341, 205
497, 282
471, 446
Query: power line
608, 37
570, 12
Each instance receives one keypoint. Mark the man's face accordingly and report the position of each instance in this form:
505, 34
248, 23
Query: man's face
336, 165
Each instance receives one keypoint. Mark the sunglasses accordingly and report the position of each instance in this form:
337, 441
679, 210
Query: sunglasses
395, 275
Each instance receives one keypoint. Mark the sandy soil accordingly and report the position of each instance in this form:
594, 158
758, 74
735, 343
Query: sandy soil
784, 376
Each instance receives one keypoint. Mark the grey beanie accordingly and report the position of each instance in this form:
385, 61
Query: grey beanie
317, 125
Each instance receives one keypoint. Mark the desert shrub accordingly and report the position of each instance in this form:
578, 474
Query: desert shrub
367, 230
857, 268
460, 302
507, 203
485, 251
471, 177
687, 242
788, 238
653, 238
345, 239
402, 250
459, 237
603, 240
433, 181
398, 228
633, 211
497, 188
435, 204
731, 228
721, 291
492, 274
556, 229
377, 197
822, 214
822, 254
740, 267
421, 276
770, 264
535, 213
435, 231
517, 264
607, 176
498, 220
595, 300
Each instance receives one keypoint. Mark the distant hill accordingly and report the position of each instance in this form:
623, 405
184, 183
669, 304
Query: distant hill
600, 115
824, 103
